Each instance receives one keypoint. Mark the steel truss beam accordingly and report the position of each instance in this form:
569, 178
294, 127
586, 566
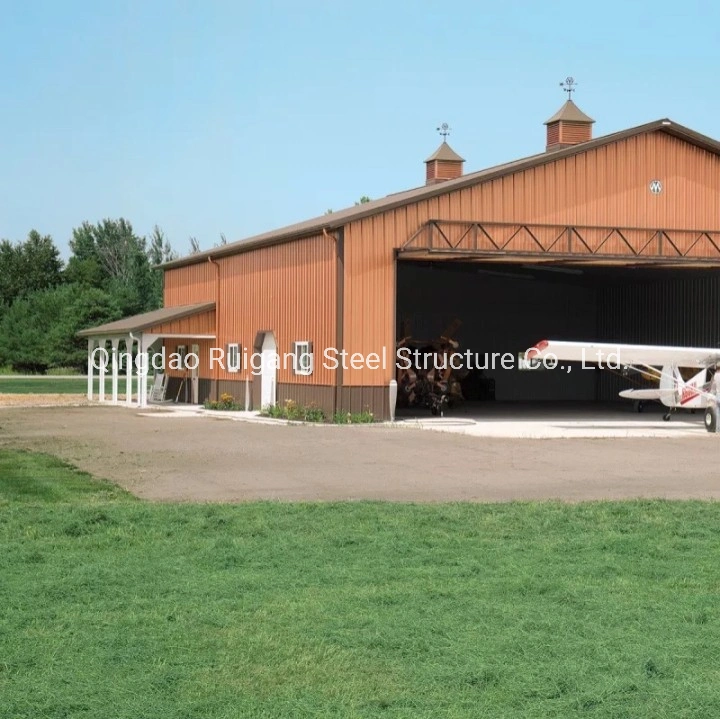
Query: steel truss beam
578, 242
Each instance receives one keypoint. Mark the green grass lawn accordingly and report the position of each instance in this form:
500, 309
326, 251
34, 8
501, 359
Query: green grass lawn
113, 607
43, 384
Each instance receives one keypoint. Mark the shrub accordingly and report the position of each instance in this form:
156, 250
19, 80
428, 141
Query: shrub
364, 417
63, 371
291, 410
226, 402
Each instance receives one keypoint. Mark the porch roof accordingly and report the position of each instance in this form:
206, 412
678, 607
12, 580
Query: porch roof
146, 320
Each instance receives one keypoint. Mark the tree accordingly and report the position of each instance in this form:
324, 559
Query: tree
363, 200
194, 245
40, 331
28, 266
110, 256
111, 246
40, 262
80, 308
10, 276
159, 251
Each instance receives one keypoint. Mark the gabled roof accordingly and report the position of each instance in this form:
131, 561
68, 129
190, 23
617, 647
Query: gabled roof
138, 323
569, 112
338, 219
446, 154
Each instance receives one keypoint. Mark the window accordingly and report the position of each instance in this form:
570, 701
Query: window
303, 358
233, 358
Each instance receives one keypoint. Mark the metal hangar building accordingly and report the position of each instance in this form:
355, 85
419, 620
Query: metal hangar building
614, 238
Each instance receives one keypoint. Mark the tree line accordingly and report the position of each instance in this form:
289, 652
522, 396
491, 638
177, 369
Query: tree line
44, 302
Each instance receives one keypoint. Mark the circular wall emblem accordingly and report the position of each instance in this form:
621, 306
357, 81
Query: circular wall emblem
655, 187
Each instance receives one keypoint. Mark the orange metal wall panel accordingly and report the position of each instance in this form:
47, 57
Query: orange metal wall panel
607, 186
202, 324
189, 285
171, 346
288, 289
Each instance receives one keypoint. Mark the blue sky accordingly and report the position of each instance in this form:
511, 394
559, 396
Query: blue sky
239, 117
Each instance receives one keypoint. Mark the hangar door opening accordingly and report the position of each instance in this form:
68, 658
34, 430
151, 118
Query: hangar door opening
503, 309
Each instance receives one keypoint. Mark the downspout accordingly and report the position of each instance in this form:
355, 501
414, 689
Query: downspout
339, 241
217, 321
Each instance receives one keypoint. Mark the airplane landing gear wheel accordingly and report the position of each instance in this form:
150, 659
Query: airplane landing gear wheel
666, 417
711, 419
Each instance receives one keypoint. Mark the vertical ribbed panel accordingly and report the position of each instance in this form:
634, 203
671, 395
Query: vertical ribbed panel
202, 324
606, 186
189, 285
288, 289
681, 312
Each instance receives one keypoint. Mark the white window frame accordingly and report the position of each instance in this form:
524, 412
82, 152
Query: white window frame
234, 347
303, 348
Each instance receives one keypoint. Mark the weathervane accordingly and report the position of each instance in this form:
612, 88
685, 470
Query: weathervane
568, 86
444, 130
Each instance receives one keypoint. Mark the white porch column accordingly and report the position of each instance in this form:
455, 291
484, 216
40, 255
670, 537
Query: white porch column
129, 342
115, 369
144, 345
90, 374
102, 361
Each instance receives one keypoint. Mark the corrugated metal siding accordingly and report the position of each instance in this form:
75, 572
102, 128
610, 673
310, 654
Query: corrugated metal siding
366, 399
608, 186
369, 296
189, 285
682, 312
235, 389
204, 346
202, 324
308, 395
287, 289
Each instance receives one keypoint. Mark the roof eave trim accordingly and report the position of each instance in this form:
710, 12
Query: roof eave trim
93, 331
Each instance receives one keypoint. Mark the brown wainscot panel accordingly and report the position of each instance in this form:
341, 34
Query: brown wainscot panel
361, 399
182, 394
235, 388
322, 396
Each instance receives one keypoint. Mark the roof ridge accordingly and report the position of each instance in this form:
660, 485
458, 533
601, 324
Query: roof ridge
341, 217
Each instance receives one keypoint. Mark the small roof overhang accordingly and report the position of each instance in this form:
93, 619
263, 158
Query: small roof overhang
146, 320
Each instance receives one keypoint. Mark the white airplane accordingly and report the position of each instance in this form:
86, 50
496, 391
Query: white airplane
702, 391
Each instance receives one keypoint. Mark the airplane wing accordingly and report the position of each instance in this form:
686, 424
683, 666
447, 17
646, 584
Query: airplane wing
647, 394
621, 355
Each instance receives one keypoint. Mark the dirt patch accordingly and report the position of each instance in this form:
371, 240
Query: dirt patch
210, 459
43, 400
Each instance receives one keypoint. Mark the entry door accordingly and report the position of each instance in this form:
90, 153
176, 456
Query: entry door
195, 377
268, 371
